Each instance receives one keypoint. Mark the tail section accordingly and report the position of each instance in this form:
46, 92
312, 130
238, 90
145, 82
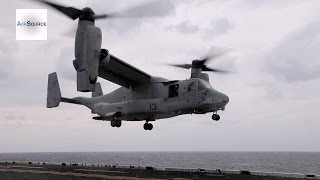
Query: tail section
54, 94
53, 91
97, 91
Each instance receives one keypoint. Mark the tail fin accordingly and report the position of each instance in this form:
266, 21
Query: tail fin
53, 91
97, 91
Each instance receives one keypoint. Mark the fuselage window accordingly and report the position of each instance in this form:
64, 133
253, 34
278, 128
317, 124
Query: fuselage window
173, 90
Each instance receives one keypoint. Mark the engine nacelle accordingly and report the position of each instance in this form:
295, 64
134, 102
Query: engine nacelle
83, 82
87, 51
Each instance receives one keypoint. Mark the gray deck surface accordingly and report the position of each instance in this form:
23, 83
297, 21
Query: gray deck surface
52, 172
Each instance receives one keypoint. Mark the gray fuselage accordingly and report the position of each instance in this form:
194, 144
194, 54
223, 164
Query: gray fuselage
158, 101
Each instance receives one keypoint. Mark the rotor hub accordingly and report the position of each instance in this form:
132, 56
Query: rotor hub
197, 64
86, 14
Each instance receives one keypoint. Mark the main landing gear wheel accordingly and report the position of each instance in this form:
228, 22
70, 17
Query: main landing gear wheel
147, 126
215, 117
115, 123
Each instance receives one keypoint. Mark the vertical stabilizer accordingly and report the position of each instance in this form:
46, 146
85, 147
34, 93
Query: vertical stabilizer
97, 91
53, 91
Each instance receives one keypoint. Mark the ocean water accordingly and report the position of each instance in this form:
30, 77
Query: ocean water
289, 162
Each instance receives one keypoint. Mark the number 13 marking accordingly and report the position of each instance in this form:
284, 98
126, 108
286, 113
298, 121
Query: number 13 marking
153, 106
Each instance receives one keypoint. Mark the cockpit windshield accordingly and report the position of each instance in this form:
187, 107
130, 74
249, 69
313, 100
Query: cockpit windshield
204, 85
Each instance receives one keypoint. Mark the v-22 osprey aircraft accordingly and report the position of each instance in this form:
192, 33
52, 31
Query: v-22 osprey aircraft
142, 97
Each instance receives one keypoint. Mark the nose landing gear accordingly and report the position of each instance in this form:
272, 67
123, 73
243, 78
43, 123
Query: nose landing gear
215, 117
148, 126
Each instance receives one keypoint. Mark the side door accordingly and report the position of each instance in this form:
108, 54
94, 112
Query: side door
173, 96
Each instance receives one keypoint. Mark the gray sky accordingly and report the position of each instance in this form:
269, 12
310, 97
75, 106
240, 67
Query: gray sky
274, 97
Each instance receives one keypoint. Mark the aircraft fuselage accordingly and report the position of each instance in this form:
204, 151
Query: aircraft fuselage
157, 101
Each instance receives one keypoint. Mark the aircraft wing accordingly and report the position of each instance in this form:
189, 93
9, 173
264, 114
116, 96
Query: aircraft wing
122, 73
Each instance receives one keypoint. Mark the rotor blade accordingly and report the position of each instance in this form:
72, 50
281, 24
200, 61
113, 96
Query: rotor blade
215, 52
101, 16
184, 66
70, 31
157, 8
215, 70
71, 12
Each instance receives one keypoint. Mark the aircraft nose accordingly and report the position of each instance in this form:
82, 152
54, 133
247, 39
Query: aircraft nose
225, 98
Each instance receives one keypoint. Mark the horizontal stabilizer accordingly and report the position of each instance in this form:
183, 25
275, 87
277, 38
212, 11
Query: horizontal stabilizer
68, 100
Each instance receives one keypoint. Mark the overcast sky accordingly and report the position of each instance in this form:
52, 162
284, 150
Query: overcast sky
274, 96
